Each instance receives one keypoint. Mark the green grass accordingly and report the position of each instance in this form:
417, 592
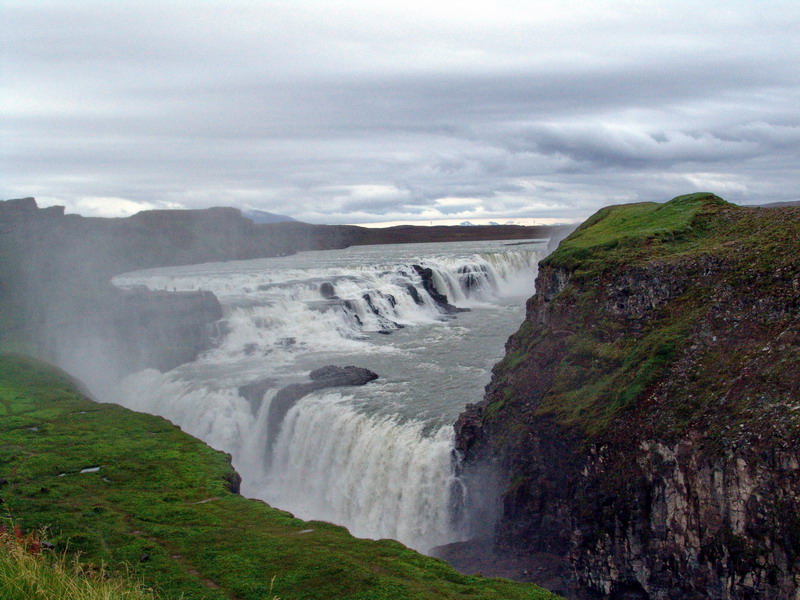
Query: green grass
633, 229
160, 503
734, 272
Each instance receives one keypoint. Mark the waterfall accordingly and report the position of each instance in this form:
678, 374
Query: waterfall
384, 477
375, 459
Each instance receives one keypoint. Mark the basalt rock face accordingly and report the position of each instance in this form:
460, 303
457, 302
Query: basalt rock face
643, 423
123, 331
159, 329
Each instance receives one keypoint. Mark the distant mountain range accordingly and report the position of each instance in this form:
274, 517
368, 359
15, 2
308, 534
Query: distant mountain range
262, 216
471, 224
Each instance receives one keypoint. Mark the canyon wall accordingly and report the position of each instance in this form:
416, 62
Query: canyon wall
644, 421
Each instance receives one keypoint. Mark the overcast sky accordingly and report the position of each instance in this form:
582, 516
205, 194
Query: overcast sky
351, 112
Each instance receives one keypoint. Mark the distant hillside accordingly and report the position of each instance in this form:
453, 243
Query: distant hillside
778, 204
261, 216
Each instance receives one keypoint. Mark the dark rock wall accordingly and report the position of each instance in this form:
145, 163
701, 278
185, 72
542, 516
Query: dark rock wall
690, 489
129, 330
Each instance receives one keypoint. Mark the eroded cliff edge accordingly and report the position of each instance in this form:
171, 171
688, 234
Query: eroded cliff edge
643, 423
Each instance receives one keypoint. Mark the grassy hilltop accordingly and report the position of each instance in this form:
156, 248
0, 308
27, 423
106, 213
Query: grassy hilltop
124, 488
646, 414
647, 285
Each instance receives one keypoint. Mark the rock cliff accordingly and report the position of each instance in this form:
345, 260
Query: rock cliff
643, 424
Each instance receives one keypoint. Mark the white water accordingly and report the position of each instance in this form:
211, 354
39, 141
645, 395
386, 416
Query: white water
376, 458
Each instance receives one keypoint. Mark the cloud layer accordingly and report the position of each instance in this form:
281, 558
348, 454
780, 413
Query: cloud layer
362, 111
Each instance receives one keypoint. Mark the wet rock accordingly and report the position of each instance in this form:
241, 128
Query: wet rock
426, 275
331, 376
472, 276
412, 291
254, 392
153, 328
233, 480
326, 290
324, 377
368, 299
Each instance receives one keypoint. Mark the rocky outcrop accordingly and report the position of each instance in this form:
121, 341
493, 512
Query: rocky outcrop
426, 275
333, 376
707, 525
123, 331
324, 377
642, 424
161, 330
254, 392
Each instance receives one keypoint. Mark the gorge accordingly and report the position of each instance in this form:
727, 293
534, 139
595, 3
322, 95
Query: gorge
639, 433
428, 320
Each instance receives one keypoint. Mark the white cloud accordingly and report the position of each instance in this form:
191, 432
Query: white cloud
458, 201
113, 207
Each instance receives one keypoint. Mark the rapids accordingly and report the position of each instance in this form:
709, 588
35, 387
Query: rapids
377, 459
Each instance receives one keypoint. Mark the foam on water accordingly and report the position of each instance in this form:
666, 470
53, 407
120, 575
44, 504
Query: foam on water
376, 459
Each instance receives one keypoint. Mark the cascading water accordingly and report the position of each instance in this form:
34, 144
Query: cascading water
377, 458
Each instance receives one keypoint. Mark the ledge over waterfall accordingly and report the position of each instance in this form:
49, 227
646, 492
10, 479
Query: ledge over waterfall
643, 424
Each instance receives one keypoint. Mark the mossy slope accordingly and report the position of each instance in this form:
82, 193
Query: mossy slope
677, 298
160, 502
644, 419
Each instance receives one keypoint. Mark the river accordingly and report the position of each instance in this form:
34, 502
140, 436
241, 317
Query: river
377, 459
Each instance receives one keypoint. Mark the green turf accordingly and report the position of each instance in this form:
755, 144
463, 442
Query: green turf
632, 229
728, 262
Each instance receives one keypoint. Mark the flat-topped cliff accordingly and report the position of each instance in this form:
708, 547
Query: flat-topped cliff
643, 424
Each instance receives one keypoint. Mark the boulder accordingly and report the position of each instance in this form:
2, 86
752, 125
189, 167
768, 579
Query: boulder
332, 376
324, 377
326, 290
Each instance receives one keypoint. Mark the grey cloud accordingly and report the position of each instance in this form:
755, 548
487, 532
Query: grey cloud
625, 146
285, 108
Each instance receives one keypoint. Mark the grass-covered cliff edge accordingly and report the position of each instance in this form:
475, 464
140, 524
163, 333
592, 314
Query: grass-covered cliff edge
644, 421
124, 488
